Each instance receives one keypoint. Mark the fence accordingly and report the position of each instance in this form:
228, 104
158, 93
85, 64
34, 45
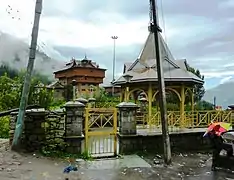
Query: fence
189, 119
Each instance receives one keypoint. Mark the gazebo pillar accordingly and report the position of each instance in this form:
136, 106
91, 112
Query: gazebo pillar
126, 94
150, 96
182, 95
122, 95
192, 106
192, 100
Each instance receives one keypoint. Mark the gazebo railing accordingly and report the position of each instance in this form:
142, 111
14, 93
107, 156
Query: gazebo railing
189, 119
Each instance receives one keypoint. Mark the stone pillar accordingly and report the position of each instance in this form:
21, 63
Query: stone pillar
143, 110
34, 132
33, 136
74, 126
91, 102
128, 138
82, 100
127, 118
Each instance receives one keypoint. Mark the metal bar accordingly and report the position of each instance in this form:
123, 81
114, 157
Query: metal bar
115, 131
87, 129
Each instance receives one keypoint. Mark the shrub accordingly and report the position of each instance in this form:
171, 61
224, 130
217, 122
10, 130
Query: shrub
4, 127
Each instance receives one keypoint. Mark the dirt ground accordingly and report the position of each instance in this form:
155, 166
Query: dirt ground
15, 166
31, 166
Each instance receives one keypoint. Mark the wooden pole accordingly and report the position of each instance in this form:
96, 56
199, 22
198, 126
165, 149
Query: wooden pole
162, 94
28, 75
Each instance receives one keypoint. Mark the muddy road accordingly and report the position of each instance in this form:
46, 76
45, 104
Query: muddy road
15, 166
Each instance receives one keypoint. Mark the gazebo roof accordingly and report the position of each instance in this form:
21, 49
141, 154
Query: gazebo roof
144, 69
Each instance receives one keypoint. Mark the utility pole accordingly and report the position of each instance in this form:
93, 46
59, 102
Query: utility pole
154, 28
113, 72
28, 75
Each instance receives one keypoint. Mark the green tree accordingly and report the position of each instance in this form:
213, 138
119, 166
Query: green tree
9, 93
199, 89
204, 105
4, 68
11, 89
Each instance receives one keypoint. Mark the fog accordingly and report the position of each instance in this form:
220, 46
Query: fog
14, 53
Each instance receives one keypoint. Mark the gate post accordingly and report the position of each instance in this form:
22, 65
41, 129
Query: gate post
127, 118
127, 127
74, 126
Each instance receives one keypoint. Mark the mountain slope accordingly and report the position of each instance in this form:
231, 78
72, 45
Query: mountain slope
14, 53
224, 94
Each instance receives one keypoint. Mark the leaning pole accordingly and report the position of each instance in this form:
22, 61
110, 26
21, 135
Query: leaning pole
27, 80
154, 28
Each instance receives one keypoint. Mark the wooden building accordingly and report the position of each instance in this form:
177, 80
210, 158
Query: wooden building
87, 74
108, 89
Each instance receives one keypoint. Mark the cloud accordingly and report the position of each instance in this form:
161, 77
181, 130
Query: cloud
226, 79
200, 31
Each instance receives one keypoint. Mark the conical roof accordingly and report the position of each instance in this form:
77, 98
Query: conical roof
145, 68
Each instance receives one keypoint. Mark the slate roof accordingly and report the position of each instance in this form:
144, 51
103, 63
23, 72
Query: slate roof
55, 84
126, 66
144, 68
84, 63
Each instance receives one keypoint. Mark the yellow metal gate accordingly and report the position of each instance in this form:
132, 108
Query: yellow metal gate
101, 131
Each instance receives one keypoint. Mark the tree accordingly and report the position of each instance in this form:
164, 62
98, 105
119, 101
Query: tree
4, 68
11, 89
9, 93
204, 105
199, 89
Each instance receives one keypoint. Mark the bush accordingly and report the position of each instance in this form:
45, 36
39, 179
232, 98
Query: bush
4, 127
56, 104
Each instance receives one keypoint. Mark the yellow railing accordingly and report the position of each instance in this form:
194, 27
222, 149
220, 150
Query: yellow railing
189, 119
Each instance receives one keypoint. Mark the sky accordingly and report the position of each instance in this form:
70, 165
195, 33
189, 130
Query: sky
199, 31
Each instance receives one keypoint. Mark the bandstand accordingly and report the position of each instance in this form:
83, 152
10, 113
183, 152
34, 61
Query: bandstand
141, 77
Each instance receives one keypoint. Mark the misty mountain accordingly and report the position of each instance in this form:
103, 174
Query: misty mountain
223, 92
14, 53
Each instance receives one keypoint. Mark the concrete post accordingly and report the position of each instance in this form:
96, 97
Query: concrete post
82, 100
74, 118
74, 126
127, 118
91, 102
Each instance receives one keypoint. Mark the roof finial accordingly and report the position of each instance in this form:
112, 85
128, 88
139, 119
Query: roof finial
85, 58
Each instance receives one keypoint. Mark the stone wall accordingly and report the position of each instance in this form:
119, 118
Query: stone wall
33, 135
63, 130
180, 142
52, 130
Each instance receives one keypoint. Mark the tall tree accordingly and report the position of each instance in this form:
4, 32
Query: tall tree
199, 89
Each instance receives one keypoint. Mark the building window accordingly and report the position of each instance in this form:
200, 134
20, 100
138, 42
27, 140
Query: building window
83, 89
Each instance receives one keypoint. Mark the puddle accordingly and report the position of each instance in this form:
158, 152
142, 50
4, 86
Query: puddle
127, 161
